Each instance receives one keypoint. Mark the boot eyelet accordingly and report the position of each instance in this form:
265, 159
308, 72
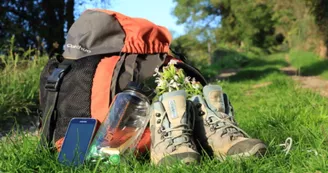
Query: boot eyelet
212, 129
162, 128
208, 119
166, 134
199, 105
157, 114
158, 121
202, 113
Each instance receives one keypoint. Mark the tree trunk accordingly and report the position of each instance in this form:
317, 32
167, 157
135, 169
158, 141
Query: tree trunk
69, 13
322, 49
54, 19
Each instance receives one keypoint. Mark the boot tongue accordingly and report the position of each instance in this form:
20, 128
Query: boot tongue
214, 98
175, 106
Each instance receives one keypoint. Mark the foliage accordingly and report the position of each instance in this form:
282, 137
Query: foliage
270, 25
245, 23
319, 8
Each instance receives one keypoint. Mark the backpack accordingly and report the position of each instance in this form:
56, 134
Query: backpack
103, 52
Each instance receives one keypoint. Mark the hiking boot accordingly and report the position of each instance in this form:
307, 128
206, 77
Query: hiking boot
171, 130
217, 132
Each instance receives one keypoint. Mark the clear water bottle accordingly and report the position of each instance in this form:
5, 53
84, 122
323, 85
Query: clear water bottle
124, 125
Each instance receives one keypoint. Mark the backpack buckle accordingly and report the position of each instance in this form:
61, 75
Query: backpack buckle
54, 79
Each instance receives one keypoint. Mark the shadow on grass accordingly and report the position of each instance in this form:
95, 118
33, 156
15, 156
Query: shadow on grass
262, 63
245, 75
20, 121
315, 69
257, 69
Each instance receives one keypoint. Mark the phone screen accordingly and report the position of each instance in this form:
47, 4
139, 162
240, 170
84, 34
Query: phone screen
77, 139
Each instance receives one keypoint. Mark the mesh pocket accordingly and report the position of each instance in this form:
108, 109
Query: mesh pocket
74, 98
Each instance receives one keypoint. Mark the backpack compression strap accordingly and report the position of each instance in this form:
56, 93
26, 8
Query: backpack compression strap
49, 114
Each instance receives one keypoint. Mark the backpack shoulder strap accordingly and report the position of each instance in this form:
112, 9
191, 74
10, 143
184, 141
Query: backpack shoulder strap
49, 115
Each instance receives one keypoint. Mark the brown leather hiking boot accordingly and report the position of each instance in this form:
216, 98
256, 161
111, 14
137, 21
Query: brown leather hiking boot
216, 131
171, 130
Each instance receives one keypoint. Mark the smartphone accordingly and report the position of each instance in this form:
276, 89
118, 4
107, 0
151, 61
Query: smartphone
78, 137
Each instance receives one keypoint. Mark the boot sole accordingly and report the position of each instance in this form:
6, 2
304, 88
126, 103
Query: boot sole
258, 150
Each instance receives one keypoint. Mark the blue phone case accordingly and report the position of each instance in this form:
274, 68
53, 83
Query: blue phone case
78, 137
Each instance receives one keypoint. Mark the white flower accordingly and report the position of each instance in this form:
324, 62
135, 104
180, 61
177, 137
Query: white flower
172, 62
193, 81
187, 79
176, 77
156, 72
171, 82
157, 80
160, 83
175, 85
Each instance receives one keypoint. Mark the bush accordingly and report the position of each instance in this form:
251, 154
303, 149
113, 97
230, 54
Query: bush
222, 58
225, 58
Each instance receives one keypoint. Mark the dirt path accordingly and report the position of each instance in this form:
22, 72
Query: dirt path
226, 73
313, 83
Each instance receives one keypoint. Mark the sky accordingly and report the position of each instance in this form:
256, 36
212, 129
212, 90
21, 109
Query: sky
156, 11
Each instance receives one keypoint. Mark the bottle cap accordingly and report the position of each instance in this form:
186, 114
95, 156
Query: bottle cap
114, 159
141, 88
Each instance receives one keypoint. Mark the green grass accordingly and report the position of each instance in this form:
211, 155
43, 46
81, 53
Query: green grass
273, 112
309, 64
19, 83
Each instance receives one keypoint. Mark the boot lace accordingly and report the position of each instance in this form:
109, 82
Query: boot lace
227, 124
184, 128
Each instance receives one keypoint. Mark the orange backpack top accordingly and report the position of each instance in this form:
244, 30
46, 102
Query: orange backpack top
104, 50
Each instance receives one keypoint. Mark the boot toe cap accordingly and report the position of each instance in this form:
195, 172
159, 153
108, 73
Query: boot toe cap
248, 148
186, 158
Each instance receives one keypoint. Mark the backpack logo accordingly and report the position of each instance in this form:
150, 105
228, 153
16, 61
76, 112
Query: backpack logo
78, 47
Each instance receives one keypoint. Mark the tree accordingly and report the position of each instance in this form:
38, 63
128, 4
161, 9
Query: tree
40, 23
247, 23
319, 8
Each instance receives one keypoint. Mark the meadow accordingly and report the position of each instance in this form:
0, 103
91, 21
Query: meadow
268, 104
